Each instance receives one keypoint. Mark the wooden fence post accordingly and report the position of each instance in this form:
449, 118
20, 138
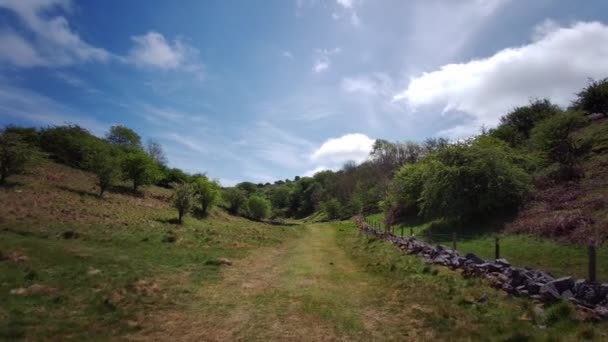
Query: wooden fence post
454, 240
592, 263
497, 247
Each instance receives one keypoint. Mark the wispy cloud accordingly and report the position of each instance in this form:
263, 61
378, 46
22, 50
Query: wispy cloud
322, 60
287, 54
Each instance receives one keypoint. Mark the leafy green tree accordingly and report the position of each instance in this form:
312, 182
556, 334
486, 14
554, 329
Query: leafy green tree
516, 126
258, 207
67, 144
207, 193
332, 208
248, 187
593, 98
15, 155
139, 168
554, 138
279, 196
123, 136
235, 199
182, 199
170, 176
103, 160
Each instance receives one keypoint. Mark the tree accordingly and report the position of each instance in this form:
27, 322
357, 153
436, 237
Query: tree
554, 138
258, 207
15, 154
103, 160
68, 144
235, 199
182, 199
155, 150
207, 193
123, 136
332, 208
248, 187
139, 168
515, 127
593, 98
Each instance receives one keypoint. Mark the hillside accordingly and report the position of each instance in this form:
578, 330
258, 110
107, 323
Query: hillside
76, 266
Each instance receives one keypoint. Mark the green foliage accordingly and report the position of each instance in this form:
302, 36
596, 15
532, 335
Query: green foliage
67, 144
279, 196
554, 138
258, 207
593, 98
123, 136
332, 208
28, 135
235, 199
516, 126
478, 177
207, 193
15, 154
182, 199
103, 160
139, 168
170, 176
248, 187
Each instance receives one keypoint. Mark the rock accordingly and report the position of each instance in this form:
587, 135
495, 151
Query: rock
549, 292
533, 287
70, 235
35, 289
518, 276
567, 295
602, 311
474, 258
503, 262
563, 284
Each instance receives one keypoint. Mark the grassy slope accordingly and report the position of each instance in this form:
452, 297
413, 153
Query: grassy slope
118, 268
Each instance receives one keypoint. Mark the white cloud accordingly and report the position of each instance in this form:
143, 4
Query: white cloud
323, 59
318, 169
553, 66
354, 146
153, 50
345, 3
56, 44
372, 84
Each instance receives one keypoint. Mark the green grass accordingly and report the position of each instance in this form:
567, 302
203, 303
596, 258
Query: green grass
449, 301
560, 259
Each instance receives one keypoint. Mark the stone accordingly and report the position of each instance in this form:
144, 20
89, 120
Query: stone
567, 294
474, 258
503, 262
563, 284
549, 292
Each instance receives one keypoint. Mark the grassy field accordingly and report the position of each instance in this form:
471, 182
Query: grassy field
128, 257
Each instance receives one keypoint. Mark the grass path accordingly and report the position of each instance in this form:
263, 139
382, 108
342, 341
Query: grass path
305, 289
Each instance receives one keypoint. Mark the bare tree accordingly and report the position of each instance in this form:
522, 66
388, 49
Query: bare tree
155, 150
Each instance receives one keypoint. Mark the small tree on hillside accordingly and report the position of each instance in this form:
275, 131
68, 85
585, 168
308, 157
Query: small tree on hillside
103, 161
235, 199
15, 154
155, 150
207, 193
139, 168
593, 98
554, 138
182, 199
258, 207
332, 208
123, 136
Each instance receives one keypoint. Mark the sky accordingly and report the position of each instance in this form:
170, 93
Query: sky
267, 90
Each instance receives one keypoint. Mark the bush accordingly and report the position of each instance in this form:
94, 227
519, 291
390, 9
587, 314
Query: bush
553, 137
104, 161
234, 199
15, 154
182, 199
258, 207
593, 98
516, 126
68, 144
123, 136
207, 193
139, 168
332, 208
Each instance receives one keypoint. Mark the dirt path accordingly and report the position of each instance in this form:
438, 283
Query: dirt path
305, 290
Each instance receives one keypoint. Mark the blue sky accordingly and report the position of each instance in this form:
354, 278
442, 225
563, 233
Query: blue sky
266, 90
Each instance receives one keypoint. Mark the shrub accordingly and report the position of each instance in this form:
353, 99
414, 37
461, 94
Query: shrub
593, 98
15, 154
182, 199
102, 160
68, 144
139, 168
553, 137
235, 199
207, 193
516, 126
332, 208
258, 207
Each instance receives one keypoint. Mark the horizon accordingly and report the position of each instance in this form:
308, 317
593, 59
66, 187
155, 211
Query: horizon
263, 93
